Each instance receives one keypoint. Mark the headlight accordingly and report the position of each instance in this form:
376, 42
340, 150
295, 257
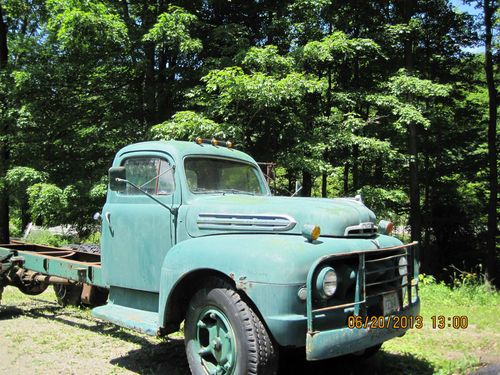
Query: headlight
326, 282
403, 271
403, 266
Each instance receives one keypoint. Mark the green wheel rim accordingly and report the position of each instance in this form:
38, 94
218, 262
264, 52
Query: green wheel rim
215, 342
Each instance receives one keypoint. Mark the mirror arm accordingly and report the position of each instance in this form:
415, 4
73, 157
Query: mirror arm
296, 191
173, 211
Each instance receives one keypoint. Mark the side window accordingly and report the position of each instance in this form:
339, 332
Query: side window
154, 175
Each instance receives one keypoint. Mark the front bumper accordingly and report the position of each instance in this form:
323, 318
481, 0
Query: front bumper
337, 342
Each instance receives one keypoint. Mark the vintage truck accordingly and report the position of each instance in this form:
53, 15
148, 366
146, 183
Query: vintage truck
191, 233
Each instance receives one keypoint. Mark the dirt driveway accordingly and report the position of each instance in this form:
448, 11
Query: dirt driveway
39, 337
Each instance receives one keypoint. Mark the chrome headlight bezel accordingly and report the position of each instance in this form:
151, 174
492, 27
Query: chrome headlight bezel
327, 282
403, 266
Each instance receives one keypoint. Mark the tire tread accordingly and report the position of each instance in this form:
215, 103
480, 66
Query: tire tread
262, 356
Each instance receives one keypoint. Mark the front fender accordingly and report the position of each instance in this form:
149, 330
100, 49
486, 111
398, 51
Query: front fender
269, 268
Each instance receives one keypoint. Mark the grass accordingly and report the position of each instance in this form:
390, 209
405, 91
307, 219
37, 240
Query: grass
450, 350
40, 337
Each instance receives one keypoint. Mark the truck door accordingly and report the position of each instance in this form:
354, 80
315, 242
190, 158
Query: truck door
137, 231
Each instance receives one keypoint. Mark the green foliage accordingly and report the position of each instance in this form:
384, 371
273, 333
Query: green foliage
337, 48
86, 26
45, 237
404, 84
407, 97
98, 192
172, 30
318, 87
186, 126
466, 289
267, 60
388, 204
46, 203
20, 178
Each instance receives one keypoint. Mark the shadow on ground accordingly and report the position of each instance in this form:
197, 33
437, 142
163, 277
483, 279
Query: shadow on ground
168, 357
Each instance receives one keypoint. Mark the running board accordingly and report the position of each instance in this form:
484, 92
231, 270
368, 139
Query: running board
138, 320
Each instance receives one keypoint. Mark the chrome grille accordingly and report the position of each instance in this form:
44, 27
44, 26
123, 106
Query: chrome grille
382, 272
361, 230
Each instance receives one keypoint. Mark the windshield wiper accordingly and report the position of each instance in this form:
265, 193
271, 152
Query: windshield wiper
204, 190
236, 191
222, 191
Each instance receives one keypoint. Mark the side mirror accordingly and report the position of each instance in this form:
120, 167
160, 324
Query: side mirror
117, 179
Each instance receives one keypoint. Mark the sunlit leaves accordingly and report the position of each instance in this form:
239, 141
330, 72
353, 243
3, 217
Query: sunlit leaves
267, 60
408, 98
172, 30
86, 26
46, 203
337, 48
186, 126
407, 84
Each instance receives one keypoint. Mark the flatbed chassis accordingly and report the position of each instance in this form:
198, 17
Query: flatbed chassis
48, 265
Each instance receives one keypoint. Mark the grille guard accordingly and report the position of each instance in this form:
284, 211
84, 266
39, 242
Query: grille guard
360, 296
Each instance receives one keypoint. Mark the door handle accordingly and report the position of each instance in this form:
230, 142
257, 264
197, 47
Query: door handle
107, 216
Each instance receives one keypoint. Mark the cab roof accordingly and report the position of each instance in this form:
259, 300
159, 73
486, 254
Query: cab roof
180, 149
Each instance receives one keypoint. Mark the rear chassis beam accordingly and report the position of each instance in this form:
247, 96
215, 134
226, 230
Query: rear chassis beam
44, 265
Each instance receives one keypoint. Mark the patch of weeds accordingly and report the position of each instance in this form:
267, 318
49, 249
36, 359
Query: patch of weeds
460, 366
45, 237
92, 238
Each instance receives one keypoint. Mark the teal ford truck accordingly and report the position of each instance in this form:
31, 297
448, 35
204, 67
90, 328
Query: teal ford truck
191, 233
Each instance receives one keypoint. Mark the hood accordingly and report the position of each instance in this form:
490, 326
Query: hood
234, 213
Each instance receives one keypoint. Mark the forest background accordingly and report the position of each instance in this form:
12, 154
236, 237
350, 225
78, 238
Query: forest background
394, 100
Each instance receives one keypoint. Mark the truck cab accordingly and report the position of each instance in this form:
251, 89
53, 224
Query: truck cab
191, 233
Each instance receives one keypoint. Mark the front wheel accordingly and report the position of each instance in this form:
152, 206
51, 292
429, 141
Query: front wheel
224, 336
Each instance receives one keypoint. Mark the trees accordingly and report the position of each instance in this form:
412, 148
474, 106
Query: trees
4, 129
490, 9
372, 97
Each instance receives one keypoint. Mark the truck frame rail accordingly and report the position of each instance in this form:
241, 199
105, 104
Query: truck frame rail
76, 266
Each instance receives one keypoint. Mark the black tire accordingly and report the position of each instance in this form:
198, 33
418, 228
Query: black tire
99, 297
255, 352
68, 295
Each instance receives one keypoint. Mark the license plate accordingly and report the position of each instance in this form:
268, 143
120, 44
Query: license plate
391, 303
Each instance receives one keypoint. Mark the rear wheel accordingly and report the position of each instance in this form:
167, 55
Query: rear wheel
224, 336
68, 295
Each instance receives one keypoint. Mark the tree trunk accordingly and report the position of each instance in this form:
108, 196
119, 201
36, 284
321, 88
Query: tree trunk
149, 84
4, 151
346, 179
355, 168
324, 183
306, 184
489, 8
25, 216
415, 216
4, 52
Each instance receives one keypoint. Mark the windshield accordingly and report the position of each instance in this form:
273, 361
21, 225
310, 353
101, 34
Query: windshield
210, 175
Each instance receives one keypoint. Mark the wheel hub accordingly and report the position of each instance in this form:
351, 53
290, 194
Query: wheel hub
216, 342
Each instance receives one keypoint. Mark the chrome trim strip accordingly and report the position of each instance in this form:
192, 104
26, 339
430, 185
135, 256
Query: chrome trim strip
362, 226
246, 222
